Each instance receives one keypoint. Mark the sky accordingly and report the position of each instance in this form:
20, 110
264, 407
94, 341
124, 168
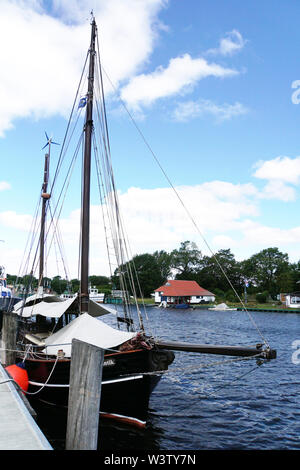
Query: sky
214, 89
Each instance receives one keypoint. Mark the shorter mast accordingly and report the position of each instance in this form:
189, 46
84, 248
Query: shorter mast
45, 197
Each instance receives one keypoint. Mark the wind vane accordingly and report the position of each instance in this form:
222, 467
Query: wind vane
49, 141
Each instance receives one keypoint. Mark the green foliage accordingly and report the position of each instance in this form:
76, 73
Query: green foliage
58, 284
262, 297
186, 260
267, 272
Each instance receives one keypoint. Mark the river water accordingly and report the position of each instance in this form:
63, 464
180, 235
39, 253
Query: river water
210, 402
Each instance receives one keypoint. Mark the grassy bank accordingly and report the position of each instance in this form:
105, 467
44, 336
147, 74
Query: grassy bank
271, 306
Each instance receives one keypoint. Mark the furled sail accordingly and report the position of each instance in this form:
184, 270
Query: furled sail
87, 329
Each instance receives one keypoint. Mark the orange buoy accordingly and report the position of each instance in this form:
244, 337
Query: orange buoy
19, 374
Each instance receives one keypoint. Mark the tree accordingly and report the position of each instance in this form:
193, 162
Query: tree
163, 260
266, 268
99, 280
186, 260
58, 284
75, 285
211, 276
147, 272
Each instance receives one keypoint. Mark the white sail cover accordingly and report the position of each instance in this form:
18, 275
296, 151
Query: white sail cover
46, 309
36, 297
55, 307
88, 329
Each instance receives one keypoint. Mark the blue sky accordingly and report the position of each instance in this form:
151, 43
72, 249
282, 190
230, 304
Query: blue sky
210, 85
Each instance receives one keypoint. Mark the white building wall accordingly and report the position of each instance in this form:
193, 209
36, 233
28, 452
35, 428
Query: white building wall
194, 299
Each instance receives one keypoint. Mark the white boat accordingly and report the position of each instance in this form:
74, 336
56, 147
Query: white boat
5, 292
95, 295
222, 306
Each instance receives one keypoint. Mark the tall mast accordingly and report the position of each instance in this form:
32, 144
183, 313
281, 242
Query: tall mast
85, 217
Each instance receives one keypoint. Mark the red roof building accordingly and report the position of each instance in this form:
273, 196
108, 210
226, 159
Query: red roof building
174, 291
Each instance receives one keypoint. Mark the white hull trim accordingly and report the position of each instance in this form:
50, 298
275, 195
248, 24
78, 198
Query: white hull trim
106, 382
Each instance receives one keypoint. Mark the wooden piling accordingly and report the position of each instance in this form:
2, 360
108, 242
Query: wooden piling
9, 338
84, 396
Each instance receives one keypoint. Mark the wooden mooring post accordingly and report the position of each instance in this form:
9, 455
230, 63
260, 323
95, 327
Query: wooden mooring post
9, 338
84, 396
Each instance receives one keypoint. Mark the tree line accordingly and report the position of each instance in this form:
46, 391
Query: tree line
268, 272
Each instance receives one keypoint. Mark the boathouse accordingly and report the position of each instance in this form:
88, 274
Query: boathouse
292, 300
178, 292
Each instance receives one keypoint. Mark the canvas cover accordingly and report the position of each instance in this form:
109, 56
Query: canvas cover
88, 329
55, 307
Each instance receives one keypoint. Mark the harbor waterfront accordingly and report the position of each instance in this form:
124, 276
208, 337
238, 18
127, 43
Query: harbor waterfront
207, 402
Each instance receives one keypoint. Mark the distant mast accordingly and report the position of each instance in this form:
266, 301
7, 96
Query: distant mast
85, 209
45, 197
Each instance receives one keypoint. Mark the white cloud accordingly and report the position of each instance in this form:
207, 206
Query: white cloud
42, 55
18, 221
226, 214
191, 109
280, 172
4, 185
154, 220
231, 43
281, 168
278, 190
181, 74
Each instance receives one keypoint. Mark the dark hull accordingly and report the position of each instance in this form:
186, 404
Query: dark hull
126, 386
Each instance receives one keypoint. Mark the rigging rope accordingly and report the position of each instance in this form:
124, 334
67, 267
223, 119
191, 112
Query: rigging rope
186, 210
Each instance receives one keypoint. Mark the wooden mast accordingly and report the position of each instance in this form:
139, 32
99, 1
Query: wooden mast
85, 216
45, 197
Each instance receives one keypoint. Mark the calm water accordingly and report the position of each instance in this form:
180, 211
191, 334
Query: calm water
207, 403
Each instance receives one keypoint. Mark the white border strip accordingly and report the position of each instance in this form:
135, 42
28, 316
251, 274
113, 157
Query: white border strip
38, 384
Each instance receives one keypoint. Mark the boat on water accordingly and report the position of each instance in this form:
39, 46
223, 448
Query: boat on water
223, 307
133, 364
95, 295
134, 361
5, 292
7, 295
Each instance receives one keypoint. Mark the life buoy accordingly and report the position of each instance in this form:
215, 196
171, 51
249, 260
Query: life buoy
19, 374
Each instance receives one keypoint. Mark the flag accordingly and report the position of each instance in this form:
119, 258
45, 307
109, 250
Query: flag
82, 102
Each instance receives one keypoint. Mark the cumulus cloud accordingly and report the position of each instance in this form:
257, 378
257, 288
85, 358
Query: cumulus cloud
230, 44
192, 109
153, 220
280, 172
281, 168
37, 79
52, 43
181, 74
4, 185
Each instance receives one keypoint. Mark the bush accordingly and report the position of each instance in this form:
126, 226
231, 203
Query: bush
262, 297
230, 296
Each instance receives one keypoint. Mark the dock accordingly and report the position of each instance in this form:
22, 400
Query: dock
18, 429
275, 310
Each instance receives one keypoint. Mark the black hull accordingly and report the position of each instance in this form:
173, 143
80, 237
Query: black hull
128, 379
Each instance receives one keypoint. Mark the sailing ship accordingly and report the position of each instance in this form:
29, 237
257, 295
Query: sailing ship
133, 364
134, 361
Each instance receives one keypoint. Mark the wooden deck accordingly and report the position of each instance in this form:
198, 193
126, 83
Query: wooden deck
18, 429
